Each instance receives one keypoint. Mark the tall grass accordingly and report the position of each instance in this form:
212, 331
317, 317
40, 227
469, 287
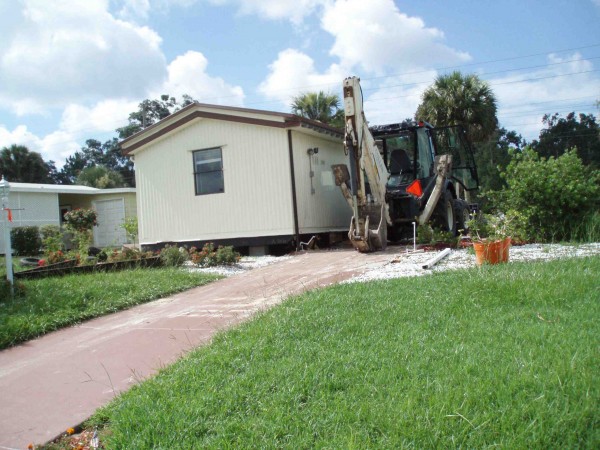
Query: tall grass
588, 230
48, 304
503, 356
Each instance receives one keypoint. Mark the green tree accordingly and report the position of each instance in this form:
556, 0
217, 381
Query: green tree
458, 99
551, 196
108, 154
319, 106
560, 133
151, 111
100, 177
20, 165
95, 153
493, 157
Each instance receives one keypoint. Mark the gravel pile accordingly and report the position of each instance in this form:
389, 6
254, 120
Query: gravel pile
410, 264
245, 264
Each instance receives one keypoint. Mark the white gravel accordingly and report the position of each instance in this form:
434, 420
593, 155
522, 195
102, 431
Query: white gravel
410, 264
246, 263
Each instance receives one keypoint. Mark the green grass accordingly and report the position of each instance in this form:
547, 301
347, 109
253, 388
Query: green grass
504, 356
51, 303
17, 267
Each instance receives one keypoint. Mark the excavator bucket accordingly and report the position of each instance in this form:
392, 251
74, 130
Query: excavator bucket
371, 233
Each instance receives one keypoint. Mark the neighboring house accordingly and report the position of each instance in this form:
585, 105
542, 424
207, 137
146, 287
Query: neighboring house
43, 204
236, 176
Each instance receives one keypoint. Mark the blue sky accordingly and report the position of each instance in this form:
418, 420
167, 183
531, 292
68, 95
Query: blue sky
73, 69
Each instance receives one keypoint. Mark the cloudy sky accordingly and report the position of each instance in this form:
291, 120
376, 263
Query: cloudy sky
71, 70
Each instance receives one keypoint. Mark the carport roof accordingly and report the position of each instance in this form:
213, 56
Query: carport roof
65, 189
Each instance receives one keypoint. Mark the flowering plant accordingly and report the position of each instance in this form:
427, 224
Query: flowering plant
81, 219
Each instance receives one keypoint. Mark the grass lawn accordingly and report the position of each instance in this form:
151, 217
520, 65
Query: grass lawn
51, 303
502, 356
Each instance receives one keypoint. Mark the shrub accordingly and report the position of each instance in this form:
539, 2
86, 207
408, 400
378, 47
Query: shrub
52, 239
227, 256
208, 256
174, 256
125, 254
551, 195
26, 240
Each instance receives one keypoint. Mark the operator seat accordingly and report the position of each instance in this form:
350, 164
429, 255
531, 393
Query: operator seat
400, 162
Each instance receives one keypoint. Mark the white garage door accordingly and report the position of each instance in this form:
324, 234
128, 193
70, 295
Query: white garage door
111, 214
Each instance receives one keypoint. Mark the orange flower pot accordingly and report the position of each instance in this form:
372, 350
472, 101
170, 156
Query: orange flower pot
493, 252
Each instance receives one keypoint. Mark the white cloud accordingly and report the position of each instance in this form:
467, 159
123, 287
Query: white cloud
133, 9
376, 37
562, 86
56, 53
293, 10
187, 75
56, 146
393, 100
104, 116
293, 72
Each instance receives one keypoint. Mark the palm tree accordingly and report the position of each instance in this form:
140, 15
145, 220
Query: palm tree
458, 99
319, 106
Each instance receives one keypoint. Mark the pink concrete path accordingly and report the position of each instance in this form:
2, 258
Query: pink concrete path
59, 380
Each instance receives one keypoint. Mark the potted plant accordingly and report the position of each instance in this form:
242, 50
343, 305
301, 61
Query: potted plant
489, 234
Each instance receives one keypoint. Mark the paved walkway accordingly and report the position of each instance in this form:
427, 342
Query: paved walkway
59, 380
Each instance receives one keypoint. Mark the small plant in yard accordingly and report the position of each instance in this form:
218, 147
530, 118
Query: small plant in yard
55, 257
130, 225
52, 238
489, 227
209, 257
427, 234
173, 256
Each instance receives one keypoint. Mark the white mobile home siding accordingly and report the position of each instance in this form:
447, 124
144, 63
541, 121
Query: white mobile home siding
30, 209
257, 199
325, 209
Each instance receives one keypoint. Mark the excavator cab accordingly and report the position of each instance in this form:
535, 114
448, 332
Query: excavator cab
399, 174
409, 150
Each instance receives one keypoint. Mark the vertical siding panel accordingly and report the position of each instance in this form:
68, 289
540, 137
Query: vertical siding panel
257, 197
326, 209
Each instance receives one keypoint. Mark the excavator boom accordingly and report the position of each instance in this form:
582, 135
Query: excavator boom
368, 226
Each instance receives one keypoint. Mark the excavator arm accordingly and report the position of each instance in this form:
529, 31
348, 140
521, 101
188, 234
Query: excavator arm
364, 180
368, 226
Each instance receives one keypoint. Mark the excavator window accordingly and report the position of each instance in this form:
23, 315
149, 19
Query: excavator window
400, 150
452, 140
